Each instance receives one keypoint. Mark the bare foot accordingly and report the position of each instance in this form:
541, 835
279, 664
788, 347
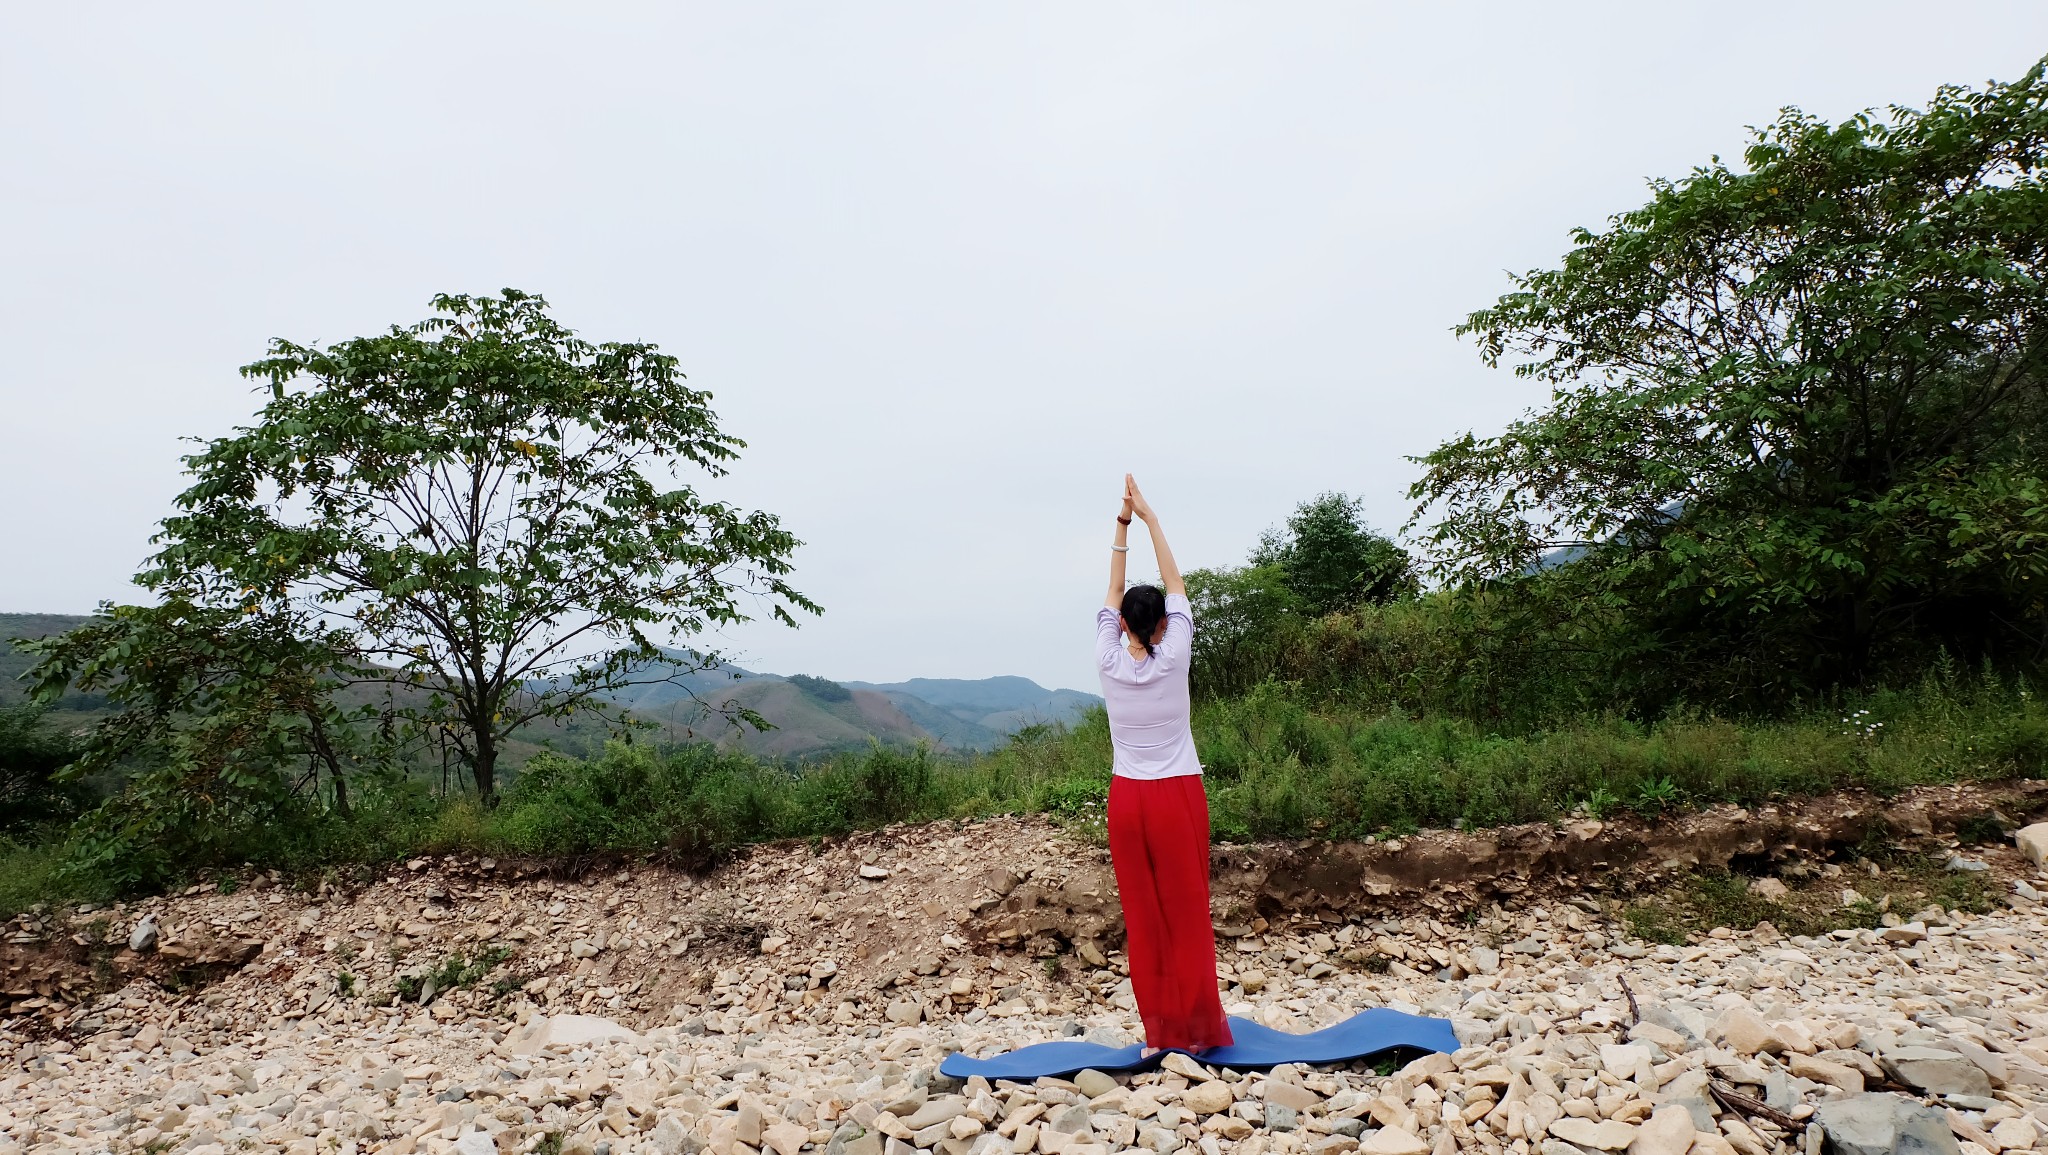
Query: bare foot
1147, 1053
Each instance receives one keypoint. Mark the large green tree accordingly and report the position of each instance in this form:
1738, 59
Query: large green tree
484, 512
1797, 413
1332, 561
1325, 560
32, 754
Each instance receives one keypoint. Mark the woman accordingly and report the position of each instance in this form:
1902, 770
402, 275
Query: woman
1158, 816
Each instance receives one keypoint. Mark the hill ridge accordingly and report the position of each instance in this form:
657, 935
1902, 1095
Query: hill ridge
949, 713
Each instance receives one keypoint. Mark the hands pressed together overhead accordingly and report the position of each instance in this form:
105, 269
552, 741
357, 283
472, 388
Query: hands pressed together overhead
1135, 505
1134, 502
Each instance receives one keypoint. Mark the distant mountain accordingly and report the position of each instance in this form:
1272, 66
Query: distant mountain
995, 706
811, 716
72, 707
815, 715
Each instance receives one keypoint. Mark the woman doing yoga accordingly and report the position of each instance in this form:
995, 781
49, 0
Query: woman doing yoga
1158, 815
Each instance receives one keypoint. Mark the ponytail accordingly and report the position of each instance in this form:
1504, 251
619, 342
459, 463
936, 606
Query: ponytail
1144, 607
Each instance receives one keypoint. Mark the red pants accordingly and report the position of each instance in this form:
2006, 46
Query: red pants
1159, 843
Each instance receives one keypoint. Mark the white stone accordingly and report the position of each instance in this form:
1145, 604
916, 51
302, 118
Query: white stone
1393, 1141
1668, 1131
566, 1031
2033, 842
2016, 1134
1605, 1135
1210, 1098
1625, 1060
1094, 1083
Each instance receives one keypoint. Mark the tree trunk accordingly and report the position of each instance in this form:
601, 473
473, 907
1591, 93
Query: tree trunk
323, 746
485, 768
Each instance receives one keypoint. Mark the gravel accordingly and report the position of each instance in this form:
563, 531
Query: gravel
644, 1012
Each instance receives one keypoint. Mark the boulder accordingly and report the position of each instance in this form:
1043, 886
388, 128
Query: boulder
1393, 1141
1603, 1135
1210, 1098
1833, 1074
1746, 1033
672, 1138
203, 951
1668, 1131
1159, 1140
2033, 842
1071, 1121
2016, 1134
1689, 1090
566, 1031
144, 935
747, 1125
1878, 1124
1994, 1065
1857, 1061
1670, 1041
786, 1138
944, 1109
1712, 1143
1094, 1083
1626, 1060
1291, 1095
1935, 1072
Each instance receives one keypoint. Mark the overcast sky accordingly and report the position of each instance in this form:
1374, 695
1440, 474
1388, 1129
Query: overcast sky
949, 269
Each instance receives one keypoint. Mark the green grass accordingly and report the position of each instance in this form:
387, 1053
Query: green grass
1280, 765
33, 873
1906, 882
452, 973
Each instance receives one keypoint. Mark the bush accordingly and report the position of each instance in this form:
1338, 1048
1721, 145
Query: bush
1284, 761
31, 754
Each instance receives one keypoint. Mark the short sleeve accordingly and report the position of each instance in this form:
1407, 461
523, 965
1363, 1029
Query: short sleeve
1109, 633
1179, 604
1180, 631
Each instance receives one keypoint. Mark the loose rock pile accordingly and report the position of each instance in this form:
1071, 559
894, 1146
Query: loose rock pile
796, 1001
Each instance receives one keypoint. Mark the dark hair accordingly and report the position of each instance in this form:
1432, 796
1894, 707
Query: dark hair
1143, 609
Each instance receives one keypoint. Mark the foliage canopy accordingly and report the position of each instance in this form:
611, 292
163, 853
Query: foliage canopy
470, 513
1325, 561
1332, 561
1797, 420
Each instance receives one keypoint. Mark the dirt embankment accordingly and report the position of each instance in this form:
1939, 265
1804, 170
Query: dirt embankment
893, 907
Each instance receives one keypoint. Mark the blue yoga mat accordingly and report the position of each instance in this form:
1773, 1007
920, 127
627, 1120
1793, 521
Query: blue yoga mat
1363, 1035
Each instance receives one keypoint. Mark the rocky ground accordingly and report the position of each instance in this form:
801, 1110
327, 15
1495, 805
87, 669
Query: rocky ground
802, 996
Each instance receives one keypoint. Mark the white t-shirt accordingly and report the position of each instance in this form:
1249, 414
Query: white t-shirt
1148, 699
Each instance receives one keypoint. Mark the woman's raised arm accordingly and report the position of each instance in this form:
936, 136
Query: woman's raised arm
1169, 570
1120, 552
